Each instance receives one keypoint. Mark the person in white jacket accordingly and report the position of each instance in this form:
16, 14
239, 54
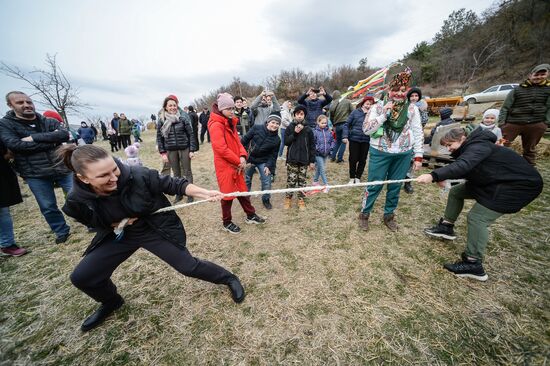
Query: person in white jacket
396, 136
286, 118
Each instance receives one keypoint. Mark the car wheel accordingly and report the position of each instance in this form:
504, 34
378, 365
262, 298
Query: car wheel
471, 101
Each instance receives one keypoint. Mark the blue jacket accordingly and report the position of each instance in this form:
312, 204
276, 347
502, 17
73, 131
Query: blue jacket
324, 141
314, 108
262, 145
353, 128
86, 134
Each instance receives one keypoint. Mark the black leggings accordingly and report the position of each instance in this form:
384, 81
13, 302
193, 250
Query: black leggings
357, 158
93, 274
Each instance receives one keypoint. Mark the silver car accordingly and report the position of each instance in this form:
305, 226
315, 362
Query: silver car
495, 93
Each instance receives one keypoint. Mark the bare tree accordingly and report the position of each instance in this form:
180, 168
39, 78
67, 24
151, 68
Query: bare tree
51, 85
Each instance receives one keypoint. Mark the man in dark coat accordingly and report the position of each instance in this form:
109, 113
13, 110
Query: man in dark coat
203, 119
498, 179
33, 140
9, 195
526, 112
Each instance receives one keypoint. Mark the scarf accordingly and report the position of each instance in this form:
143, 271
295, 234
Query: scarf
398, 117
169, 119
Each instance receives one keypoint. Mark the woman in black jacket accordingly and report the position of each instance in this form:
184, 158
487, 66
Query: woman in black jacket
498, 179
175, 140
106, 192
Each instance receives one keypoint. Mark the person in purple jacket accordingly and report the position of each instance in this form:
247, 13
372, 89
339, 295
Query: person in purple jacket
324, 143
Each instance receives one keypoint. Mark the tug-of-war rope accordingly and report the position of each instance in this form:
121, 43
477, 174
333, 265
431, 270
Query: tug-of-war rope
320, 188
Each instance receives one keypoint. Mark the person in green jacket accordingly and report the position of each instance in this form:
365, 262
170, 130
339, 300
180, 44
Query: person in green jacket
125, 130
526, 112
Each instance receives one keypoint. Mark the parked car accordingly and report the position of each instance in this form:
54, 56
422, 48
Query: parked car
495, 93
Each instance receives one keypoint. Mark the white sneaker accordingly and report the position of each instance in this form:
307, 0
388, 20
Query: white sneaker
357, 180
351, 181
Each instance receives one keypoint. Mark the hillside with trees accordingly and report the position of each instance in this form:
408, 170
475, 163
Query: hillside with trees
469, 53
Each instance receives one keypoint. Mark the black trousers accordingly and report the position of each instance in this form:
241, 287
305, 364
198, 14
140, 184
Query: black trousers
126, 141
93, 274
204, 130
357, 158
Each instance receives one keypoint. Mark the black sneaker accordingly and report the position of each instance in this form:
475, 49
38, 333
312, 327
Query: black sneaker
441, 230
62, 238
408, 188
467, 268
267, 204
254, 219
232, 228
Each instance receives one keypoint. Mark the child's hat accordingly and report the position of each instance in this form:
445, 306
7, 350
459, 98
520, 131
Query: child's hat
273, 117
299, 108
494, 112
131, 151
225, 101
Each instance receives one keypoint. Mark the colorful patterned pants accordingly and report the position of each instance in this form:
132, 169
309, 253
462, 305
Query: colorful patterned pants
296, 177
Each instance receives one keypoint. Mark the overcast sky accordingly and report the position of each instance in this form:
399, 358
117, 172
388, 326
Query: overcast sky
126, 56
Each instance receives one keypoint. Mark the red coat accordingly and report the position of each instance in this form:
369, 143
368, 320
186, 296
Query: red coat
228, 150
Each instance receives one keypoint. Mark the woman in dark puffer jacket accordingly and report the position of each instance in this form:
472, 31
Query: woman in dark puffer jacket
175, 139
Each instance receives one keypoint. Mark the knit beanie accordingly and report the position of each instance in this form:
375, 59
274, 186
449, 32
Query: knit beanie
299, 108
494, 112
174, 98
273, 117
131, 151
54, 115
414, 90
225, 101
445, 113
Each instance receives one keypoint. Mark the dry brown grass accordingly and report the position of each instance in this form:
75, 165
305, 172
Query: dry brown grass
320, 291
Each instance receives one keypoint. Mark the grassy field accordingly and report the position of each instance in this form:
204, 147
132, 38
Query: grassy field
320, 291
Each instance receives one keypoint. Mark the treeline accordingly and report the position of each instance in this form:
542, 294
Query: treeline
291, 84
470, 52
473, 52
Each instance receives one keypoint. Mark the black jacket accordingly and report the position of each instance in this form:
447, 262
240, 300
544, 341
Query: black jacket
262, 146
497, 177
35, 159
180, 136
141, 193
10, 194
301, 146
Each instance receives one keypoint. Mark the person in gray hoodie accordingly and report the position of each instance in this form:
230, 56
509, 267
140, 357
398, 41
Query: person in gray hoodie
265, 104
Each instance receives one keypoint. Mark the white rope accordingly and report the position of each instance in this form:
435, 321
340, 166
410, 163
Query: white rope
300, 189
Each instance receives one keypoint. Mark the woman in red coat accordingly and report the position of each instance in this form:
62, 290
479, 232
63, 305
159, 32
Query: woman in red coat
229, 160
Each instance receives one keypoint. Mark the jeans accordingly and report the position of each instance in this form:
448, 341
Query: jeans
320, 162
340, 147
479, 219
385, 166
43, 191
282, 147
265, 179
6, 228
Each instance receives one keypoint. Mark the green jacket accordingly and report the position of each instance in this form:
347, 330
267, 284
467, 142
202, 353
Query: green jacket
124, 127
526, 104
340, 110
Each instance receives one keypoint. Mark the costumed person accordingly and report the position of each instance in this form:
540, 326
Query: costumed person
262, 144
175, 140
300, 155
229, 161
359, 142
497, 178
415, 96
396, 136
324, 143
489, 123
105, 192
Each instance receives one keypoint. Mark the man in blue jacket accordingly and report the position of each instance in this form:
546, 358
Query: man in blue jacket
33, 140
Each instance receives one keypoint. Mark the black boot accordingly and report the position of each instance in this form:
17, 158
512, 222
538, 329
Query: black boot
101, 314
177, 199
211, 272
